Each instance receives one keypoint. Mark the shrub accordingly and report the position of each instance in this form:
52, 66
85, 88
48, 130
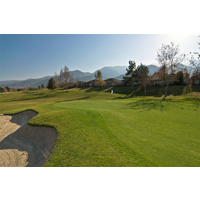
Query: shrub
187, 89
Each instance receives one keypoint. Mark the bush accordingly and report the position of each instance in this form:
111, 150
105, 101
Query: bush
187, 89
4, 90
160, 93
31, 89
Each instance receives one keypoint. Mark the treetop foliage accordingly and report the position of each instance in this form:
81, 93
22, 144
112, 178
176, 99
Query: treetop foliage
168, 56
98, 76
135, 74
131, 67
99, 79
64, 79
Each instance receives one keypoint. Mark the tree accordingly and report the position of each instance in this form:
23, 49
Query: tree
98, 76
130, 75
195, 63
13, 89
195, 58
77, 82
42, 86
195, 74
64, 78
51, 84
57, 80
8, 89
180, 77
67, 77
142, 72
169, 58
98, 79
4, 89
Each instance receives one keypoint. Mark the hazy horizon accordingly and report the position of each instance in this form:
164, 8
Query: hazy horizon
70, 70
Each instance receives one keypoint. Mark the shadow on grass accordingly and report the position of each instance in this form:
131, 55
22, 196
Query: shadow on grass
35, 97
197, 105
83, 98
95, 89
147, 105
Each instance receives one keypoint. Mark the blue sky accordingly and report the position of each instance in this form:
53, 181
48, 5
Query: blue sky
34, 56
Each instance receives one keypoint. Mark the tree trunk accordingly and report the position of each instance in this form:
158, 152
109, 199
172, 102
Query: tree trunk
145, 90
166, 89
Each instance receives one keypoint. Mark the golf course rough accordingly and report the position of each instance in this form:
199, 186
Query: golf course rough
24, 145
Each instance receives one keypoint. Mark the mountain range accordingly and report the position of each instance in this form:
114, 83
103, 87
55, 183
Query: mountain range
107, 72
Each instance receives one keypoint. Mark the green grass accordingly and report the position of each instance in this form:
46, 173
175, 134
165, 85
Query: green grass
96, 130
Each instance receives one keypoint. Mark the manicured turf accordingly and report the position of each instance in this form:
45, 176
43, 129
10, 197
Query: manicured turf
94, 130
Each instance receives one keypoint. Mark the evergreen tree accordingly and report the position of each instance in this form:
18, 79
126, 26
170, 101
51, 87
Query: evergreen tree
130, 76
42, 86
51, 84
142, 72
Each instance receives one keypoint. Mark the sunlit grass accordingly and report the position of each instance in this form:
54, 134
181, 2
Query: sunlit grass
98, 129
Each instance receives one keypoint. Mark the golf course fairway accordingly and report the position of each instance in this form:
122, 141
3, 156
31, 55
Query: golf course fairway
95, 128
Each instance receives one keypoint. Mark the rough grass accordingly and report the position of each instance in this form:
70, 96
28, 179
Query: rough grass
98, 129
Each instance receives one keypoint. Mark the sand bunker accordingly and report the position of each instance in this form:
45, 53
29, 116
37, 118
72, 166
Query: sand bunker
24, 145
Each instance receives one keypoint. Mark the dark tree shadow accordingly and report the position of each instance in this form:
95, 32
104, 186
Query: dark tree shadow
95, 89
147, 105
34, 97
82, 98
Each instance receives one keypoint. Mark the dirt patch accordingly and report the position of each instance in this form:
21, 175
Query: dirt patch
196, 93
22, 144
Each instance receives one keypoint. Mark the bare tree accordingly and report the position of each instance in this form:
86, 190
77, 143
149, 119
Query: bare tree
67, 77
169, 58
64, 79
57, 80
195, 63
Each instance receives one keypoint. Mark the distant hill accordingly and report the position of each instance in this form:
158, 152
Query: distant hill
120, 77
108, 72
79, 74
153, 69
7, 83
25, 83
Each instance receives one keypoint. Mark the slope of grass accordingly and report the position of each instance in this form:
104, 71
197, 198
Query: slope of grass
96, 130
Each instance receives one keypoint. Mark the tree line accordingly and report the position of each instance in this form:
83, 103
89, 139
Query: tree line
168, 56
65, 80
170, 59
